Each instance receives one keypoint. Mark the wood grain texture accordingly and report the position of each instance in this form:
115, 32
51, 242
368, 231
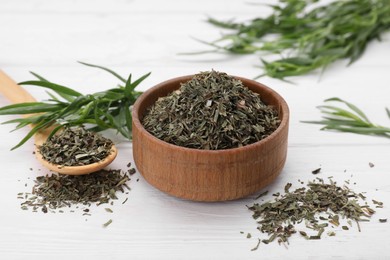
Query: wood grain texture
205, 175
12, 91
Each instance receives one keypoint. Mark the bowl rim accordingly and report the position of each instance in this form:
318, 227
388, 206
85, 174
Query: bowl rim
137, 123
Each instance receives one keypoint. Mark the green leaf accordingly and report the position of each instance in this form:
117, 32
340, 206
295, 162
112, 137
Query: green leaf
339, 119
55, 130
339, 112
350, 122
106, 69
128, 87
13, 121
57, 88
28, 108
86, 111
38, 76
359, 130
117, 123
21, 123
111, 94
334, 121
351, 106
100, 123
129, 120
75, 106
227, 25
31, 133
138, 81
52, 96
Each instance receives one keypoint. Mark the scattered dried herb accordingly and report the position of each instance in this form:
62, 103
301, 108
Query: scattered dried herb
352, 120
261, 195
257, 245
316, 171
287, 187
371, 164
211, 111
102, 110
378, 204
303, 233
107, 223
383, 220
317, 205
59, 191
307, 34
131, 171
75, 146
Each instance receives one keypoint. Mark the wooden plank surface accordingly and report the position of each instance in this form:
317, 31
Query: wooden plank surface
48, 37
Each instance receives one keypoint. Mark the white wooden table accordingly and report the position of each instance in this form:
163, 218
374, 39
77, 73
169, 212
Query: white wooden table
48, 37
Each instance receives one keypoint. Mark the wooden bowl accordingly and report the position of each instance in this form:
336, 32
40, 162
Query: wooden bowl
209, 175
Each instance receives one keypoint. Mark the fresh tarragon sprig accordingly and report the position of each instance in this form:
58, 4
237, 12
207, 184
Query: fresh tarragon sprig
306, 34
102, 110
352, 120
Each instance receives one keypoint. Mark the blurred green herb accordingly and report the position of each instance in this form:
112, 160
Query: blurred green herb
352, 120
101, 110
306, 34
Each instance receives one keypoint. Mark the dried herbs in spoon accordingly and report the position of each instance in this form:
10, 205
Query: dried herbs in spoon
75, 146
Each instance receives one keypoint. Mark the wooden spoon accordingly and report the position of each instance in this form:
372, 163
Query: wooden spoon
16, 94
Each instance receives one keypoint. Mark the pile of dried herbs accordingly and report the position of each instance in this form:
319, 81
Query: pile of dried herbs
59, 191
211, 111
75, 146
317, 206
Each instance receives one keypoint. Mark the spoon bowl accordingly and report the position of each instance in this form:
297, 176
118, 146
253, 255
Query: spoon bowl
16, 94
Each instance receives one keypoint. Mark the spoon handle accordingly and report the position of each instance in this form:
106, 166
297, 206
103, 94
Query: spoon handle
16, 94
12, 91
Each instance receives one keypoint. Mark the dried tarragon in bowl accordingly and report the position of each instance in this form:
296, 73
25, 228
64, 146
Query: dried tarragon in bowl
212, 111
